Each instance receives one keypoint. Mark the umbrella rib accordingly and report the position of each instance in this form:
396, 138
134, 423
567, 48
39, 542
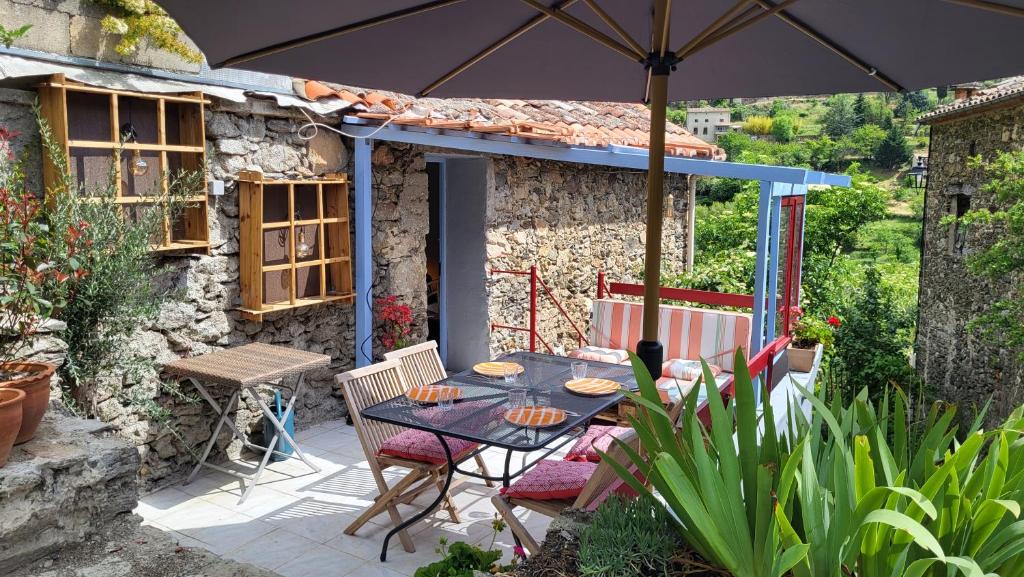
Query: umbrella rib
727, 18
836, 48
588, 30
529, 25
335, 32
736, 26
990, 6
607, 19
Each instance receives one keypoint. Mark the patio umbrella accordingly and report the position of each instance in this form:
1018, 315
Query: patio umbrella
617, 50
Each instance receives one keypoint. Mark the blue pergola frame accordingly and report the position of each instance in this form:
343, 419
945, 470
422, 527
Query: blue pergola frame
776, 182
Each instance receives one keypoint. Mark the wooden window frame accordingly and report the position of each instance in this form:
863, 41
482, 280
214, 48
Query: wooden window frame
252, 228
53, 97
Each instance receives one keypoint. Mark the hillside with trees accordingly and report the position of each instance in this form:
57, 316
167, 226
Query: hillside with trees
862, 253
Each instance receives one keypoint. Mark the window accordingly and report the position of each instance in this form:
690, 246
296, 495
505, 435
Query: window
959, 204
705, 130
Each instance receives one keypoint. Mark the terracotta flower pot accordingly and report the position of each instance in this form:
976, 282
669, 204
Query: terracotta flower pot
801, 360
36, 386
11, 401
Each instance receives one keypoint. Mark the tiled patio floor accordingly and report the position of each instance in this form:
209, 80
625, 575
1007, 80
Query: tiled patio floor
292, 522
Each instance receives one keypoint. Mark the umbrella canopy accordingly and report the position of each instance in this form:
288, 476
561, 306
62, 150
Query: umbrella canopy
616, 50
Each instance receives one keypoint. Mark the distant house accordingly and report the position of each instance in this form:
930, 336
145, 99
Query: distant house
708, 123
949, 355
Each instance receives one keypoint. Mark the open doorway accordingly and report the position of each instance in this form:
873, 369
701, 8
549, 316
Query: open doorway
433, 250
456, 258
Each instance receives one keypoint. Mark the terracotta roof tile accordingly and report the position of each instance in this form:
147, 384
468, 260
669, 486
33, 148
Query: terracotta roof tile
569, 122
1008, 89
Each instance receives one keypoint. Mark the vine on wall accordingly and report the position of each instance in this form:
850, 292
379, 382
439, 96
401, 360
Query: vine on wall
138, 20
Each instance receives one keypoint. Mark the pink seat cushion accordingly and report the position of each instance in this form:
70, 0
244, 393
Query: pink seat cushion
601, 355
424, 447
550, 480
685, 370
597, 438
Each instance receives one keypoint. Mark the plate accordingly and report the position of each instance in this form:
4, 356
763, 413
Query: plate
429, 394
535, 417
495, 368
592, 387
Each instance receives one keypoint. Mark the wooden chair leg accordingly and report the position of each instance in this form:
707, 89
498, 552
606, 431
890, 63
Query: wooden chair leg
482, 469
384, 502
449, 504
504, 509
403, 535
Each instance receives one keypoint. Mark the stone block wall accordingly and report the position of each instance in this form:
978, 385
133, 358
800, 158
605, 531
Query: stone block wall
72, 27
950, 357
572, 221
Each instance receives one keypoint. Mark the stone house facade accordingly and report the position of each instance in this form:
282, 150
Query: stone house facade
570, 220
951, 357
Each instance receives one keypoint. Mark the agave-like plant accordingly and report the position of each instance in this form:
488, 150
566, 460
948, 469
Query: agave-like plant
852, 524
722, 488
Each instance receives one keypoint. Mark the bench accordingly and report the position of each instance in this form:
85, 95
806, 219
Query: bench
687, 333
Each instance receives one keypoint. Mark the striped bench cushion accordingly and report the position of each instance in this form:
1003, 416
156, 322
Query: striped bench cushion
685, 332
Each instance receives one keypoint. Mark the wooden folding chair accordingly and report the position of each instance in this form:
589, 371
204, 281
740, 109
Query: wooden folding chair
601, 484
421, 365
368, 386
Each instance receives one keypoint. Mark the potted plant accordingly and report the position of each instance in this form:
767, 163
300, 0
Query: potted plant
809, 332
32, 257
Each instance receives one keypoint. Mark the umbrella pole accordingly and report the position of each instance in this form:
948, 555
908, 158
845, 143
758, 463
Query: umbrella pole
649, 349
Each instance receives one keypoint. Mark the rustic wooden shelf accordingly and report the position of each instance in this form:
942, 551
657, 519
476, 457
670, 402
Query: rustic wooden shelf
272, 277
86, 123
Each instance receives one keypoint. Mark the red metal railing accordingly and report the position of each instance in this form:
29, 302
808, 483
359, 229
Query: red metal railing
531, 327
678, 294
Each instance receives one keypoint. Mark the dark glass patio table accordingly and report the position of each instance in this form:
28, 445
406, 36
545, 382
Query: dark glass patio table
479, 415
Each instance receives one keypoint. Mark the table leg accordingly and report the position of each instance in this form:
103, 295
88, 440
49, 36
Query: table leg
449, 473
224, 415
279, 424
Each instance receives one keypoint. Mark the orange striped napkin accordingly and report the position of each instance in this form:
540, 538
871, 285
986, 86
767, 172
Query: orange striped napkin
431, 393
536, 417
495, 368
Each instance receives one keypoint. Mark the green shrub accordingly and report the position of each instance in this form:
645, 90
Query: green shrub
122, 291
628, 538
872, 346
676, 116
894, 151
784, 128
460, 560
136, 21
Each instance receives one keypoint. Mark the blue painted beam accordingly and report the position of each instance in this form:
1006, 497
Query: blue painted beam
614, 156
757, 335
364, 251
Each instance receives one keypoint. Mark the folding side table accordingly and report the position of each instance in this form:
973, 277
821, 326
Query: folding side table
243, 369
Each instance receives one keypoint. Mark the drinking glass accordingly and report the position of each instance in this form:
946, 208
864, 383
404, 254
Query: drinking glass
511, 374
542, 396
446, 399
579, 370
516, 398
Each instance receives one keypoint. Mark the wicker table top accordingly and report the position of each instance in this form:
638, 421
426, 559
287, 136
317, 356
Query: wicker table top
247, 365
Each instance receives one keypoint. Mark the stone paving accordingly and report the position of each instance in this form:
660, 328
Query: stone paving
292, 523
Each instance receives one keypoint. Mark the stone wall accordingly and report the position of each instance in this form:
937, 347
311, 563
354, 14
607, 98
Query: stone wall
571, 221
72, 27
71, 481
950, 357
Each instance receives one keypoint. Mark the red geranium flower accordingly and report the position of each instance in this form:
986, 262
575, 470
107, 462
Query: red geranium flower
834, 321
